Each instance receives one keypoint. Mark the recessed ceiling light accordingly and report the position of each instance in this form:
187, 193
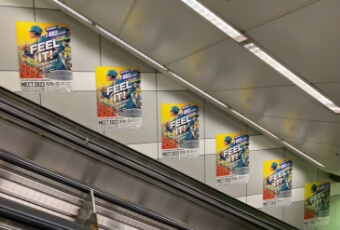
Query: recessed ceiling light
292, 77
215, 20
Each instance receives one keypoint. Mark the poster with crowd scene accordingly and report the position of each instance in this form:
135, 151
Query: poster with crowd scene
277, 183
45, 60
119, 98
317, 203
180, 130
232, 158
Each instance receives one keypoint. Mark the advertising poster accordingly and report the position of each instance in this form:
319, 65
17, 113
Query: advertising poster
119, 99
232, 158
180, 133
317, 202
277, 183
45, 61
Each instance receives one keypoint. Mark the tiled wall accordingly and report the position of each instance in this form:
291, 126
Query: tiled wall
90, 50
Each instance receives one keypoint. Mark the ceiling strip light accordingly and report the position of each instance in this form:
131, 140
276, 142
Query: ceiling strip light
251, 48
303, 154
197, 89
114, 37
73, 11
291, 76
215, 20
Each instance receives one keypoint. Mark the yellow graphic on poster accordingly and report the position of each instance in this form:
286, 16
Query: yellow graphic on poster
119, 98
45, 60
277, 183
180, 132
317, 203
232, 158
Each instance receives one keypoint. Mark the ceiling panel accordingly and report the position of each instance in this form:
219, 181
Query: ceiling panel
306, 40
168, 30
227, 65
109, 14
245, 14
326, 154
314, 131
288, 102
332, 90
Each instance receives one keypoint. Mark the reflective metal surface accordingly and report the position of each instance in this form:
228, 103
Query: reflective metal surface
68, 152
291, 31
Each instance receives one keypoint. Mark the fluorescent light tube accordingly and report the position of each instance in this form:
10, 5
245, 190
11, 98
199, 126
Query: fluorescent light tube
117, 39
197, 89
215, 20
73, 11
303, 154
292, 77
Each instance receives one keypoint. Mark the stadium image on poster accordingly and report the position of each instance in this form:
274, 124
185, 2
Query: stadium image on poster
119, 99
317, 203
232, 158
45, 61
180, 133
277, 183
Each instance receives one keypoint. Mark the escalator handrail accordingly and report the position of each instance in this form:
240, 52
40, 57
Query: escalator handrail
127, 161
12, 159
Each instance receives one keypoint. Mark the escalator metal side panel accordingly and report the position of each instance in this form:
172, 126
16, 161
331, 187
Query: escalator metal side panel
35, 218
169, 177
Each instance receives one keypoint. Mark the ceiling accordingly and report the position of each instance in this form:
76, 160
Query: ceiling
301, 34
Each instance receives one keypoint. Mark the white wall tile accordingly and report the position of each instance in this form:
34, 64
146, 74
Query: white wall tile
298, 194
255, 201
8, 44
149, 149
210, 146
84, 81
10, 80
259, 142
148, 81
275, 212
243, 199
166, 83
84, 41
80, 107
294, 213
24, 3
335, 189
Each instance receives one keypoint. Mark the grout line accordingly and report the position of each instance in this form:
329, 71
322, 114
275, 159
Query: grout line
127, 17
297, 8
100, 49
204, 122
34, 11
157, 117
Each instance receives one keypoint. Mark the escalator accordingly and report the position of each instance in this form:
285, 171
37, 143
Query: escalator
51, 168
